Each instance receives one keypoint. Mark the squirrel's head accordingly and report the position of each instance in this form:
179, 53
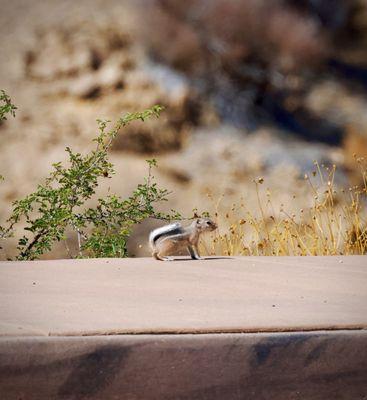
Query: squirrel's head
205, 224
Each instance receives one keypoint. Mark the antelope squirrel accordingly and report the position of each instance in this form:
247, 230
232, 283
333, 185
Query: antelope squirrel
174, 237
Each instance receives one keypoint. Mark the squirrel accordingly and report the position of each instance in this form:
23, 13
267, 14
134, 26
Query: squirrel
173, 237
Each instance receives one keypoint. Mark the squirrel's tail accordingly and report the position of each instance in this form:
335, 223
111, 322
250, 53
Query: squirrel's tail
163, 231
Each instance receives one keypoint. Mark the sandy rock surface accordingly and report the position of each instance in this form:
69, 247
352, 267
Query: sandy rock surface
67, 63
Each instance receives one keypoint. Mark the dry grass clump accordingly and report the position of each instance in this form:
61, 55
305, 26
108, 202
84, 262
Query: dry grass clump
335, 224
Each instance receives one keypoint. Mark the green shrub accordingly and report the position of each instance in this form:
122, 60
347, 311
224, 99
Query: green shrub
59, 204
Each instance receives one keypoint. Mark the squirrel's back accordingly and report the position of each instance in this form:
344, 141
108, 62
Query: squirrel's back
158, 233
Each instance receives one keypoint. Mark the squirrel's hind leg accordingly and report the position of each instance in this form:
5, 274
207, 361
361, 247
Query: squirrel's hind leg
157, 256
162, 248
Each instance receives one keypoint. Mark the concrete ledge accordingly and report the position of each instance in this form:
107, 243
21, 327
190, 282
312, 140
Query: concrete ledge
276, 366
274, 328
248, 294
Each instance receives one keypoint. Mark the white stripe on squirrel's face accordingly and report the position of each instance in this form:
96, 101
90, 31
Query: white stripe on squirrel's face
206, 224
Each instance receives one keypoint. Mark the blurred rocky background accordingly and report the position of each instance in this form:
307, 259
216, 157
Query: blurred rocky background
252, 88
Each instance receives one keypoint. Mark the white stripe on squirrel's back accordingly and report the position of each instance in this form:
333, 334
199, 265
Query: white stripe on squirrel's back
154, 235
